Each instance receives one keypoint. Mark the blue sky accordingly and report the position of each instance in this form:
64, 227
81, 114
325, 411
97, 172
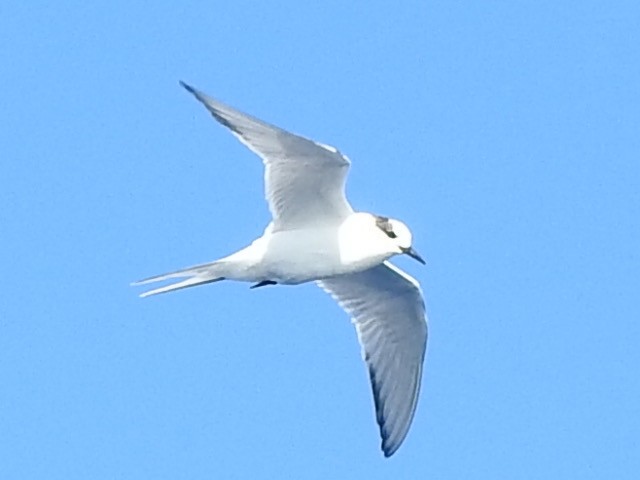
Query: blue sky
506, 134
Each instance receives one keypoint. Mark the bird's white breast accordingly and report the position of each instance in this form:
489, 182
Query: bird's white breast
298, 256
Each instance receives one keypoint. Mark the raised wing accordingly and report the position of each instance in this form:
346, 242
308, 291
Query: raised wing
388, 312
304, 180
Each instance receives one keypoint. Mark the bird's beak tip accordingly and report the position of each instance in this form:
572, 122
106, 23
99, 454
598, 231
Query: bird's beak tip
413, 254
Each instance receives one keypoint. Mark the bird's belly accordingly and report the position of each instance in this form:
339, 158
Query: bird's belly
299, 268
294, 258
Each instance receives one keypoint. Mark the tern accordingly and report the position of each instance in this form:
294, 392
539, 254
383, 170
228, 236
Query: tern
316, 236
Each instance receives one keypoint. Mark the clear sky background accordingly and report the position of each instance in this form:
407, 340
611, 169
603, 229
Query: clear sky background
506, 134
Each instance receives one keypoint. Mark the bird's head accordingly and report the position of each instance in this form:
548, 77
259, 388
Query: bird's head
398, 237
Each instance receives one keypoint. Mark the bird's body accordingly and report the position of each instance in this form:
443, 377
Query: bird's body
291, 257
316, 236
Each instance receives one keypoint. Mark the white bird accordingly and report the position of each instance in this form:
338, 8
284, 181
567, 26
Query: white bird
315, 235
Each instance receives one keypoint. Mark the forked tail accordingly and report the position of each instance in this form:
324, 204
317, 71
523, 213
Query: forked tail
196, 275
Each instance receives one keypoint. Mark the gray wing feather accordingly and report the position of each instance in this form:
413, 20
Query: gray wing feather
304, 180
388, 312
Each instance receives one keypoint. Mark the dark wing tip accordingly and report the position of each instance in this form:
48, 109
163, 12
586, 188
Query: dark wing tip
188, 87
213, 106
388, 446
389, 450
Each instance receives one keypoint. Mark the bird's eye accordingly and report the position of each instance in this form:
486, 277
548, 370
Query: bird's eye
384, 224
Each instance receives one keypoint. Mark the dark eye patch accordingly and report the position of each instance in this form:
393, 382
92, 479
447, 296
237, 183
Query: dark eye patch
384, 224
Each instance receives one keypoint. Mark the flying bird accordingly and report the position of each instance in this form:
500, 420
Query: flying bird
316, 236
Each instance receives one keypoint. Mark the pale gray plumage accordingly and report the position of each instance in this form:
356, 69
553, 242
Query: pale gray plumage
295, 167
388, 312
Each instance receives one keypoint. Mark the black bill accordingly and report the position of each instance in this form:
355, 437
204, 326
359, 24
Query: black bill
413, 254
